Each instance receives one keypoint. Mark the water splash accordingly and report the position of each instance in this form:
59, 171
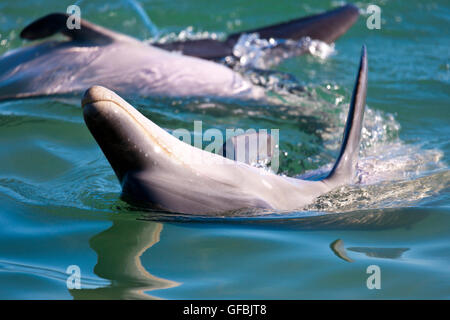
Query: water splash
386, 194
251, 51
186, 34
397, 161
390, 172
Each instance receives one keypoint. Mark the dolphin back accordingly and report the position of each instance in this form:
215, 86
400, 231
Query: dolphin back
326, 26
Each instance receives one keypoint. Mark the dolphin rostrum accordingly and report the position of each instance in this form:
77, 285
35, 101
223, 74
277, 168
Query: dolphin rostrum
157, 170
93, 55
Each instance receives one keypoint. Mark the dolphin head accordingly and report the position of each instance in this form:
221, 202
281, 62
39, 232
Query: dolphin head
154, 168
130, 141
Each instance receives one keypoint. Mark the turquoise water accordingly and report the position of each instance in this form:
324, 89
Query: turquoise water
60, 201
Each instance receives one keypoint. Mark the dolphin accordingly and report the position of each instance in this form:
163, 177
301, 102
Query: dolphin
158, 171
93, 55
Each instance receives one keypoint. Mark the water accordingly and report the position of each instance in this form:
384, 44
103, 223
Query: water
60, 201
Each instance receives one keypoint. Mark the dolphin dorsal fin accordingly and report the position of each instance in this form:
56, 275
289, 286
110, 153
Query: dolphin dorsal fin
57, 23
345, 166
249, 148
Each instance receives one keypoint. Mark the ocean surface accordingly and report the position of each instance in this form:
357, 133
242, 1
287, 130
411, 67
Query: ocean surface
60, 202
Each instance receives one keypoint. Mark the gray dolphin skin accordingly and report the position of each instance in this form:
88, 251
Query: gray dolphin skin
157, 170
93, 55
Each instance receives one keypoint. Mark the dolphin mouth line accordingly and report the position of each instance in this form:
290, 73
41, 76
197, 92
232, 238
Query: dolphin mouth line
147, 133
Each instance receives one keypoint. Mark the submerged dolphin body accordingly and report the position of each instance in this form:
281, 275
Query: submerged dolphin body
157, 170
97, 56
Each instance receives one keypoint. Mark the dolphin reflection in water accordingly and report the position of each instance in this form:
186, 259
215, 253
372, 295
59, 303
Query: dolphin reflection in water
119, 250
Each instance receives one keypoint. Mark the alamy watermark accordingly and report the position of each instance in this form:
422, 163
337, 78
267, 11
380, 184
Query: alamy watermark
74, 279
374, 19
257, 147
74, 19
374, 280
